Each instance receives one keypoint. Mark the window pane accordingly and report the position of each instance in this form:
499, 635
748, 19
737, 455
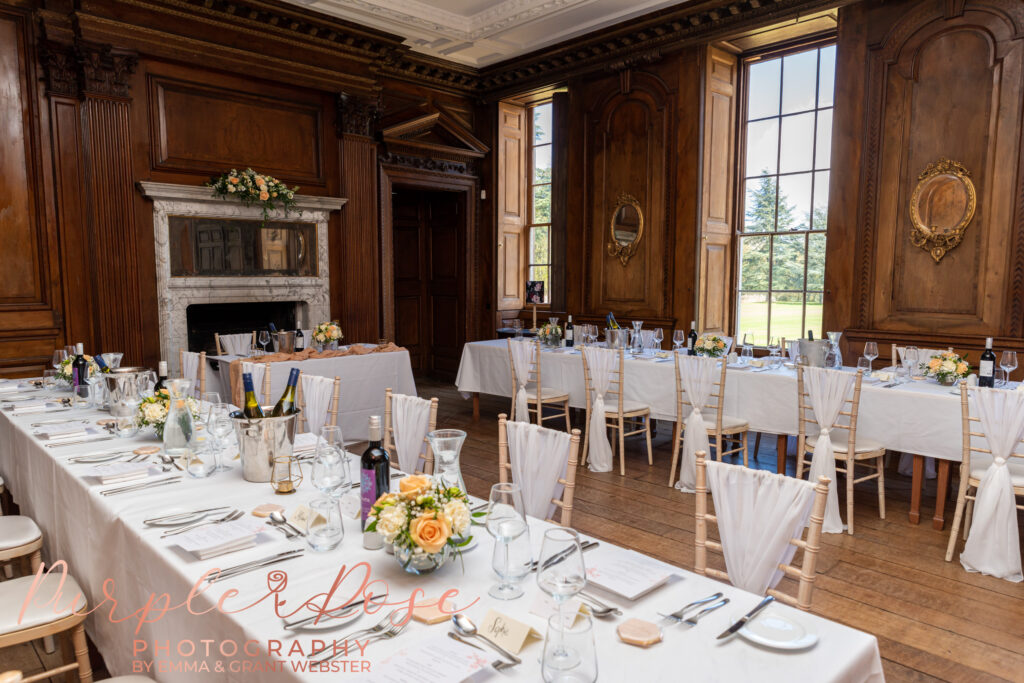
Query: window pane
788, 262
787, 315
763, 99
542, 164
813, 319
816, 261
795, 202
752, 314
542, 204
762, 147
821, 200
754, 262
827, 78
542, 273
799, 81
759, 210
540, 245
797, 143
823, 143
542, 124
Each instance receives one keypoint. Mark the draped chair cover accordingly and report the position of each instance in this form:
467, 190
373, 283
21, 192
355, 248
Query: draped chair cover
993, 544
793, 349
538, 456
190, 368
601, 363
236, 344
698, 376
522, 353
410, 416
317, 393
758, 513
828, 390
257, 370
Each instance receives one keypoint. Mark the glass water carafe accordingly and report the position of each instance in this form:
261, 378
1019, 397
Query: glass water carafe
179, 427
835, 356
446, 445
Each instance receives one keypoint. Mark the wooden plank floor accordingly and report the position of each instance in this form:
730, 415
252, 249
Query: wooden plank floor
934, 621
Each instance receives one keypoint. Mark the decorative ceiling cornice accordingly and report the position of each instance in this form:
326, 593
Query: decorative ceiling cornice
85, 68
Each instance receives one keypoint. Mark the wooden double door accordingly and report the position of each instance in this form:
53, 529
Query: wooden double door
429, 233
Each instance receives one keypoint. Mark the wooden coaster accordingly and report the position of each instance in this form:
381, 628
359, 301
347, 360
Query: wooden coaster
146, 450
639, 632
431, 612
106, 421
265, 509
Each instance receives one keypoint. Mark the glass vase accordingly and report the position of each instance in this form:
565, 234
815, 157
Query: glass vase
446, 444
179, 433
420, 563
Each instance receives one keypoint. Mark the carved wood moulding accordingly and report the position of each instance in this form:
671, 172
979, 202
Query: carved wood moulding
356, 114
85, 68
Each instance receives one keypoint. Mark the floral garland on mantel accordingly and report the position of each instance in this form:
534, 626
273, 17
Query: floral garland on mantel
251, 188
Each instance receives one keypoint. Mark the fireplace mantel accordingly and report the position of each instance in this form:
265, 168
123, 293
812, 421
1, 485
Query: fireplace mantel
175, 294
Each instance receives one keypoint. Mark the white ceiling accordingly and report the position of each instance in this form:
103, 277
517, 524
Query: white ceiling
481, 32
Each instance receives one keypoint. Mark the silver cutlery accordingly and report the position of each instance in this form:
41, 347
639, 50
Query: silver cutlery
745, 618
379, 626
229, 517
691, 621
678, 614
169, 519
560, 556
598, 608
386, 633
61, 421
140, 487
78, 442
498, 664
332, 614
96, 458
232, 572
465, 627
278, 519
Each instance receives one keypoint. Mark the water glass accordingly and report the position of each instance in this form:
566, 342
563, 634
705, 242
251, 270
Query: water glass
774, 346
910, 358
517, 328
864, 364
126, 427
220, 427
747, 354
330, 472
49, 378
561, 574
324, 528
1000, 376
201, 459
83, 395
569, 651
506, 522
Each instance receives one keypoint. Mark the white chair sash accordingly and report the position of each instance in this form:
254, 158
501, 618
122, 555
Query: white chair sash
993, 543
601, 363
410, 417
522, 354
190, 367
828, 390
317, 393
698, 376
538, 457
793, 349
257, 371
758, 513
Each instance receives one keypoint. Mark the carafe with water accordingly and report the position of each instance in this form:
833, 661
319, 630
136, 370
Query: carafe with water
446, 445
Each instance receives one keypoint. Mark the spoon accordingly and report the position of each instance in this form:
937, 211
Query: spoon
597, 608
278, 518
466, 628
168, 460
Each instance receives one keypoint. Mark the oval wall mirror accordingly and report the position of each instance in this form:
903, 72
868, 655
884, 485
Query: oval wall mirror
627, 227
941, 207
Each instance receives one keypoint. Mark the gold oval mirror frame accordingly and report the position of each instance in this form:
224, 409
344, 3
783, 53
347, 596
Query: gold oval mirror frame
941, 207
627, 227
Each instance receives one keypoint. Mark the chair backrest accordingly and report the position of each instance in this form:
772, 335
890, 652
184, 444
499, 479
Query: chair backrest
567, 480
716, 399
804, 574
972, 438
616, 384
200, 369
427, 455
234, 339
532, 375
846, 420
331, 414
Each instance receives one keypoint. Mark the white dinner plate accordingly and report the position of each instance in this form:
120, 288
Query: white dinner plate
771, 629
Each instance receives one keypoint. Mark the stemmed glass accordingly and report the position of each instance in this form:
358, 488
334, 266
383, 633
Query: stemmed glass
561, 574
871, 353
678, 339
264, 339
659, 336
506, 522
329, 474
219, 426
1008, 362
910, 358
59, 356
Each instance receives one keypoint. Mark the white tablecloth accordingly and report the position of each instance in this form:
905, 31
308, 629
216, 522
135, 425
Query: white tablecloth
921, 417
103, 539
363, 381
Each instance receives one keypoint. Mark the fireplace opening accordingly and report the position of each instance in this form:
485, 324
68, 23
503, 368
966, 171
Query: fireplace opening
205, 320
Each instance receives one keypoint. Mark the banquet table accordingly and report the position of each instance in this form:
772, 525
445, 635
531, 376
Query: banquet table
104, 539
921, 418
363, 381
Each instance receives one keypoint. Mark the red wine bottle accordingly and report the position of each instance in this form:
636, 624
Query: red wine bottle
987, 366
374, 470
691, 340
80, 367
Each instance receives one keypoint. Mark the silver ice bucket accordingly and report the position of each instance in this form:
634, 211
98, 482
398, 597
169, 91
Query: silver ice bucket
814, 351
617, 339
262, 440
284, 342
125, 387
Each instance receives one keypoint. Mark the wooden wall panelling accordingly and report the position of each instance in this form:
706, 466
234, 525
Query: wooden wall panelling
687, 200
717, 190
512, 204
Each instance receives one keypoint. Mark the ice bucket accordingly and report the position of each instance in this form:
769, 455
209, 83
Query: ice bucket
125, 387
284, 342
617, 339
814, 351
261, 440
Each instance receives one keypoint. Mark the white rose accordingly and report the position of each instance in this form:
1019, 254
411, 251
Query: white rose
391, 521
948, 366
457, 515
154, 412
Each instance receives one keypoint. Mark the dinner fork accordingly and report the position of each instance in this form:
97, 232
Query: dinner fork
380, 626
388, 632
229, 517
691, 621
678, 614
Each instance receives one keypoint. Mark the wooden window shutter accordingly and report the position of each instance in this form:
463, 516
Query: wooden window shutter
512, 205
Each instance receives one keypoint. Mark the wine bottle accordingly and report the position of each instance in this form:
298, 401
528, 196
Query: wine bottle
567, 340
286, 404
251, 407
987, 366
101, 363
612, 325
691, 340
374, 473
272, 327
810, 335
79, 367
161, 377
300, 340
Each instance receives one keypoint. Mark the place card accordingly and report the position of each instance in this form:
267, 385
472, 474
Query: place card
545, 607
114, 472
350, 505
438, 659
299, 517
212, 540
507, 632
626, 572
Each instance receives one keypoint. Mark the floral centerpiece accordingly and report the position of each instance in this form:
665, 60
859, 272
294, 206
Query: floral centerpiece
946, 367
326, 333
425, 522
709, 345
153, 411
550, 334
64, 369
251, 188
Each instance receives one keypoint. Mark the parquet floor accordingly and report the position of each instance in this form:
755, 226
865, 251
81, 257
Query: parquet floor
934, 621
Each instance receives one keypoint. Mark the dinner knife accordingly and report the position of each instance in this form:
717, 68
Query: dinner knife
745, 618
235, 571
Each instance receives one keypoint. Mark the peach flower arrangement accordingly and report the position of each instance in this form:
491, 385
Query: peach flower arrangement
946, 367
251, 188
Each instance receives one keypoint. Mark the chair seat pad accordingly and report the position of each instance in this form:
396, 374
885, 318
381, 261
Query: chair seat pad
611, 406
42, 609
728, 422
981, 461
546, 393
841, 445
16, 530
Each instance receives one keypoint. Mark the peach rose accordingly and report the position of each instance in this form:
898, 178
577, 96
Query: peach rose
264, 196
429, 532
720, 344
413, 486
934, 364
234, 180
961, 368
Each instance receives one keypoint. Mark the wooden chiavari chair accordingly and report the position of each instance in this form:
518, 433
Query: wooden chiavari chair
620, 414
848, 453
568, 480
389, 432
804, 574
727, 434
220, 351
971, 473
332, 407
537, 395
200, 379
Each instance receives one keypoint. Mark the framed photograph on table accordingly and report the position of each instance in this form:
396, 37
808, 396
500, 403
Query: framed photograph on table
534, 296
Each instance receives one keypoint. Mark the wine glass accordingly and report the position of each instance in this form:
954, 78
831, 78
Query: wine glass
506, 522
219, 425
59, 356
1008, 362
331, 436
659, 336
910, 358
774, 346
870, 352
264, 339
329, 474
324, 527
678, 339
561, 574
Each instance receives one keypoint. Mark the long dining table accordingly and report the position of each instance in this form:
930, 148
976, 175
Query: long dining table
921, 418
115, 556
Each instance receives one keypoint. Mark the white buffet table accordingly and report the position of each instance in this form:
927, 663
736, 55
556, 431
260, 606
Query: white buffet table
103, 538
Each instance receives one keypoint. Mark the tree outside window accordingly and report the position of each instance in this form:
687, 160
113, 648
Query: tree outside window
539, 242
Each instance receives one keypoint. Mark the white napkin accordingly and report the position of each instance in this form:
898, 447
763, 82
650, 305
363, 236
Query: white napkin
115, 472
75, 431
212, 540
305, 443
13, 387
34, 407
